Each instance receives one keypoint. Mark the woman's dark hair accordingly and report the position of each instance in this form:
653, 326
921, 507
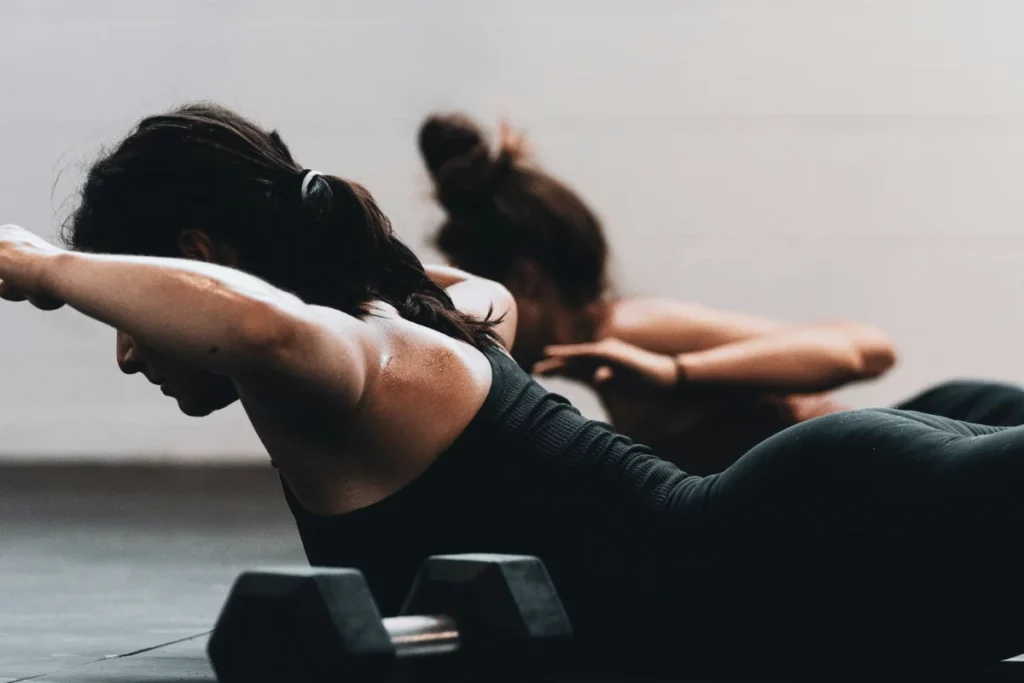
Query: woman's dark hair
204, 167
500, 210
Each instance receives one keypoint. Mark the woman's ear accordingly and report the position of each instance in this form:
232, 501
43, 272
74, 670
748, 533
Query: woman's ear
198, 246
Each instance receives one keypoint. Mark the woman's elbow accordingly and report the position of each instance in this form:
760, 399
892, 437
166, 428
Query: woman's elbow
878, 360
871, 351
503, 301
858, 365
504, 312
877, 351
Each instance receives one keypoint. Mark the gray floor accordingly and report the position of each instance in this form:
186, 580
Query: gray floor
100, 562
175, 663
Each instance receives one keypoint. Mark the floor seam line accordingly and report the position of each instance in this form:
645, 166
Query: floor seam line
155, 647
110, 657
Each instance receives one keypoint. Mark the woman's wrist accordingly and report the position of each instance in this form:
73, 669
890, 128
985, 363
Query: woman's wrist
35, 268
48, 269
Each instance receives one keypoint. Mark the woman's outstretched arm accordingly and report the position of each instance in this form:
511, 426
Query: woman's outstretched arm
217, 318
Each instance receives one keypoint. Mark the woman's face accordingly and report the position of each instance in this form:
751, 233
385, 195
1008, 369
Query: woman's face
197, 392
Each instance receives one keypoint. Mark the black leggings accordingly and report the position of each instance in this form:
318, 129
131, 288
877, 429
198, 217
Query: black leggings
879, 531
725, 436
987, 403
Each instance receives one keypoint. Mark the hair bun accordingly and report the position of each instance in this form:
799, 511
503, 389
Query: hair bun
459, 159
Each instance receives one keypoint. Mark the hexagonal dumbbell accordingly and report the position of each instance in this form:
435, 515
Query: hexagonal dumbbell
314, 624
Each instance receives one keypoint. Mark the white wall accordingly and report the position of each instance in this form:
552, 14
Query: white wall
796, 158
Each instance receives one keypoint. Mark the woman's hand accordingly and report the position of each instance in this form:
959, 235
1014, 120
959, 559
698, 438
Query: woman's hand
24, 257
608, 360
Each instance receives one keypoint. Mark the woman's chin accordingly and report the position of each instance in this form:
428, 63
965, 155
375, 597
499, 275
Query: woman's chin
196, 410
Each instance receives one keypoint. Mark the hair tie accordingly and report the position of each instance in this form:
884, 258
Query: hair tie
308, 177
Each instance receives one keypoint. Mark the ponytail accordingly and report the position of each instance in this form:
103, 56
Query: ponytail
390, 271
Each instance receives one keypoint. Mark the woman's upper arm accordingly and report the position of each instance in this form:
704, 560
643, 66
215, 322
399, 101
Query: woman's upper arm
316, 355
674, 327
481, 298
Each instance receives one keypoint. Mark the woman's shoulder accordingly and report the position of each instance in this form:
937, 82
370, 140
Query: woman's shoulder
422, 370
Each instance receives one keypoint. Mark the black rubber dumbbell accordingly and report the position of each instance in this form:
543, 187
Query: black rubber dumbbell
312, 624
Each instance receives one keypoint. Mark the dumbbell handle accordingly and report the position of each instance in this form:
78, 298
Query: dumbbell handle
422, 635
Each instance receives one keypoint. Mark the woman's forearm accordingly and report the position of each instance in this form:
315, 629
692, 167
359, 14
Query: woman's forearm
797, 360
216, 317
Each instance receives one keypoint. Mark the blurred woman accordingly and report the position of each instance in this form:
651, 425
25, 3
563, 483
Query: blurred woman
735, 379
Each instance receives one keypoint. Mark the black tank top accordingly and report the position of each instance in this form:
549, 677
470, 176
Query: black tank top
529, 475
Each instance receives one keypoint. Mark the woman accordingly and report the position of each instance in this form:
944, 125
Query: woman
744, 377
402, 429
